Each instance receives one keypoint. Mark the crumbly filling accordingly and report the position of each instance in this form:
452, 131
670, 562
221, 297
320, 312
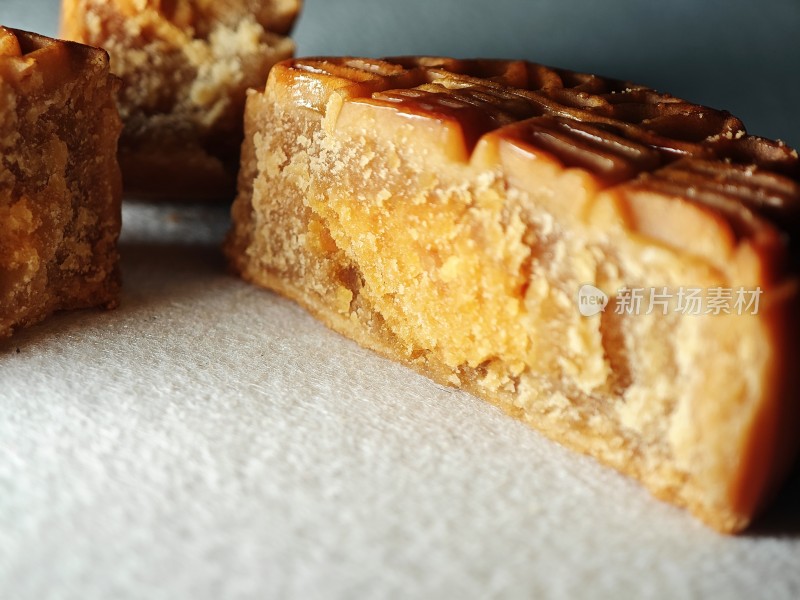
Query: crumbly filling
474, 281
184, 81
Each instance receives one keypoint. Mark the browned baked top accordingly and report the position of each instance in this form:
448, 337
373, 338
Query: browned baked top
23, 53
15, 43
617, 130
9, 45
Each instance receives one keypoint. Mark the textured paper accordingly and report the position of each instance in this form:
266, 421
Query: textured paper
209, 439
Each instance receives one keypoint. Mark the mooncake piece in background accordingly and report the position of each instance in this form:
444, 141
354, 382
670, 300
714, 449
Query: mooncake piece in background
185, 66
59, 179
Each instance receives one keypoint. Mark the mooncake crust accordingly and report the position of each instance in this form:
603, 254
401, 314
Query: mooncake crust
445, 213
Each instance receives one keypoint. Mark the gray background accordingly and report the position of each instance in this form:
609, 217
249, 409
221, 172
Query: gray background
740, 55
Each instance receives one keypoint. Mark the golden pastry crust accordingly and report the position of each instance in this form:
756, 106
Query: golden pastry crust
446, 213
60, 183
185, 66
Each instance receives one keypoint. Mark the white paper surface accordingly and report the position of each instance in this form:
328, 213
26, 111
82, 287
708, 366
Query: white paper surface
209, 439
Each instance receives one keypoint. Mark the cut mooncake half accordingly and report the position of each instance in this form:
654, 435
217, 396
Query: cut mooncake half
612, 265
185, 66
59, 179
